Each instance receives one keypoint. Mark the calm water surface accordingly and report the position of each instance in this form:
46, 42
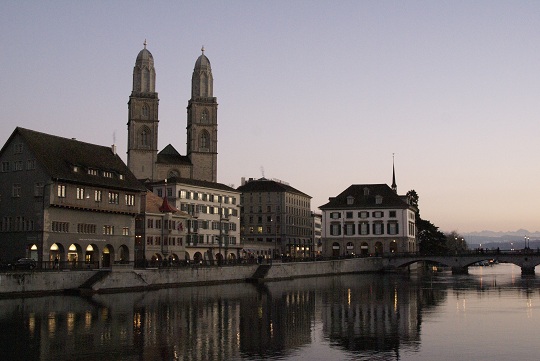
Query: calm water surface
491, 314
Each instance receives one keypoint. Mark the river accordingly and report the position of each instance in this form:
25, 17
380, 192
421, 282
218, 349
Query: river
490, 314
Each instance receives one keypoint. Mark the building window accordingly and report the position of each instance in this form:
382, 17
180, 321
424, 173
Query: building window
335, 215
392, 214
61, 191
149, 223
92, 171
18, 165
97, 195
16, 190
349, 215
38, 189
5, 166
350, 200
378, 199
80, 193
108, 229
160, 192
86, 228
130, 200
363, 228
113, 197
393, 228
378, 214
149, 240
335, 229
60, 226
18, 148
349, 229
169, 192
125, 231
378, 228
30, 164
363, 214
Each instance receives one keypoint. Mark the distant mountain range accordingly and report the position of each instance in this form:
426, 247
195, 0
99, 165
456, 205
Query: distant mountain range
504, 240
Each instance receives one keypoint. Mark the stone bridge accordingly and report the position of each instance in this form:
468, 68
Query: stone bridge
526, 259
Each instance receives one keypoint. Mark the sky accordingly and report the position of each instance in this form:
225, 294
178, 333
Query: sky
320, 94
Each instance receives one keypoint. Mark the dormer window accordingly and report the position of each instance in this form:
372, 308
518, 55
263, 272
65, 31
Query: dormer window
75, 169
107, 174
92, 171
350, 200
121, 176
366, 191
378, 199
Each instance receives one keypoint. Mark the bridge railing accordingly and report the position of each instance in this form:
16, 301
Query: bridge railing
473, 252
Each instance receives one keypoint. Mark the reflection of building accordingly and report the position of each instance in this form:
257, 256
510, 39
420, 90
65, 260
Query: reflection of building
143, 157
276, 219
368, 219
212, 233
67, 200
160, 232
316, 220
372, 314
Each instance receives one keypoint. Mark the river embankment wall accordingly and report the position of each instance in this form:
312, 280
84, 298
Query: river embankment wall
129, 279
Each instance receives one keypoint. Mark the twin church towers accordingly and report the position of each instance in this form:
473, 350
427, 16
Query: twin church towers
143, 159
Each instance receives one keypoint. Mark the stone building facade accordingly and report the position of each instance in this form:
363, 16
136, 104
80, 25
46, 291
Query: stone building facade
145, 162
275, 220
66, 203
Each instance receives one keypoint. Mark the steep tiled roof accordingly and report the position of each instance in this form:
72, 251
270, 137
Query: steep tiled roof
60, 156
169, 155
364, 196
267, 185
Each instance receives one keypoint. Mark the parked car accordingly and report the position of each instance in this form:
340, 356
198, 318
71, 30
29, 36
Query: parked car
24, 263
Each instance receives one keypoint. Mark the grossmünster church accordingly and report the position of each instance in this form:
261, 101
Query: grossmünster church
143, 158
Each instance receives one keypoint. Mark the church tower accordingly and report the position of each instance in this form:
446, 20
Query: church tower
143, 118
202, 122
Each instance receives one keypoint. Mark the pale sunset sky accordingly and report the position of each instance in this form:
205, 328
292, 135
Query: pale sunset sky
319, 94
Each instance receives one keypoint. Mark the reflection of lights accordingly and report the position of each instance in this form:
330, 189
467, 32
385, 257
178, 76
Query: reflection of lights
529, 308
31, 323
395, 300
137, 322
271, 329
87, 320
70, 322
51, 324
260, 312
348, 296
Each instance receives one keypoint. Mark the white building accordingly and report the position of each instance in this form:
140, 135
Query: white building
368, 219
213, 232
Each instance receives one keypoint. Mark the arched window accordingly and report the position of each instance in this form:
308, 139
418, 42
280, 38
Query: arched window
205, 119
145, 111
204, 140
144, 137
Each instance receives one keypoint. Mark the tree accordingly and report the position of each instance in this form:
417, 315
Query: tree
431, 240
413, 196
455, 242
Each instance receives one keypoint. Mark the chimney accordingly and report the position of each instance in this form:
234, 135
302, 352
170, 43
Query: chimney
113, 148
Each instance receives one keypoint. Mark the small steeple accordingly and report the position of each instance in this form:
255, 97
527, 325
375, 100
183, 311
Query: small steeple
394, 185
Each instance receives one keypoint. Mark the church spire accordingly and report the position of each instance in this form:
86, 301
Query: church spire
394, 185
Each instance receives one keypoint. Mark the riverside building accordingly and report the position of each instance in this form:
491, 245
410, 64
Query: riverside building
275, 220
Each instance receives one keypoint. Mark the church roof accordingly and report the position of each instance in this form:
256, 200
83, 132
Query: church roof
145, 55
202, 62
169, 155
365, 196
70, 160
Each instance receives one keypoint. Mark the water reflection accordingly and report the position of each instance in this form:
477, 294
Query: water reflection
353, 316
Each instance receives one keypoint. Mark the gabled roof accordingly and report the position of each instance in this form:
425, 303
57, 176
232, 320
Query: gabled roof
267, 185
365, 196
195, 182
169, 155
60, 156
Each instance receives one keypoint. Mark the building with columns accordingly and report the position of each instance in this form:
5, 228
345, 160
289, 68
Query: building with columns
143, 158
